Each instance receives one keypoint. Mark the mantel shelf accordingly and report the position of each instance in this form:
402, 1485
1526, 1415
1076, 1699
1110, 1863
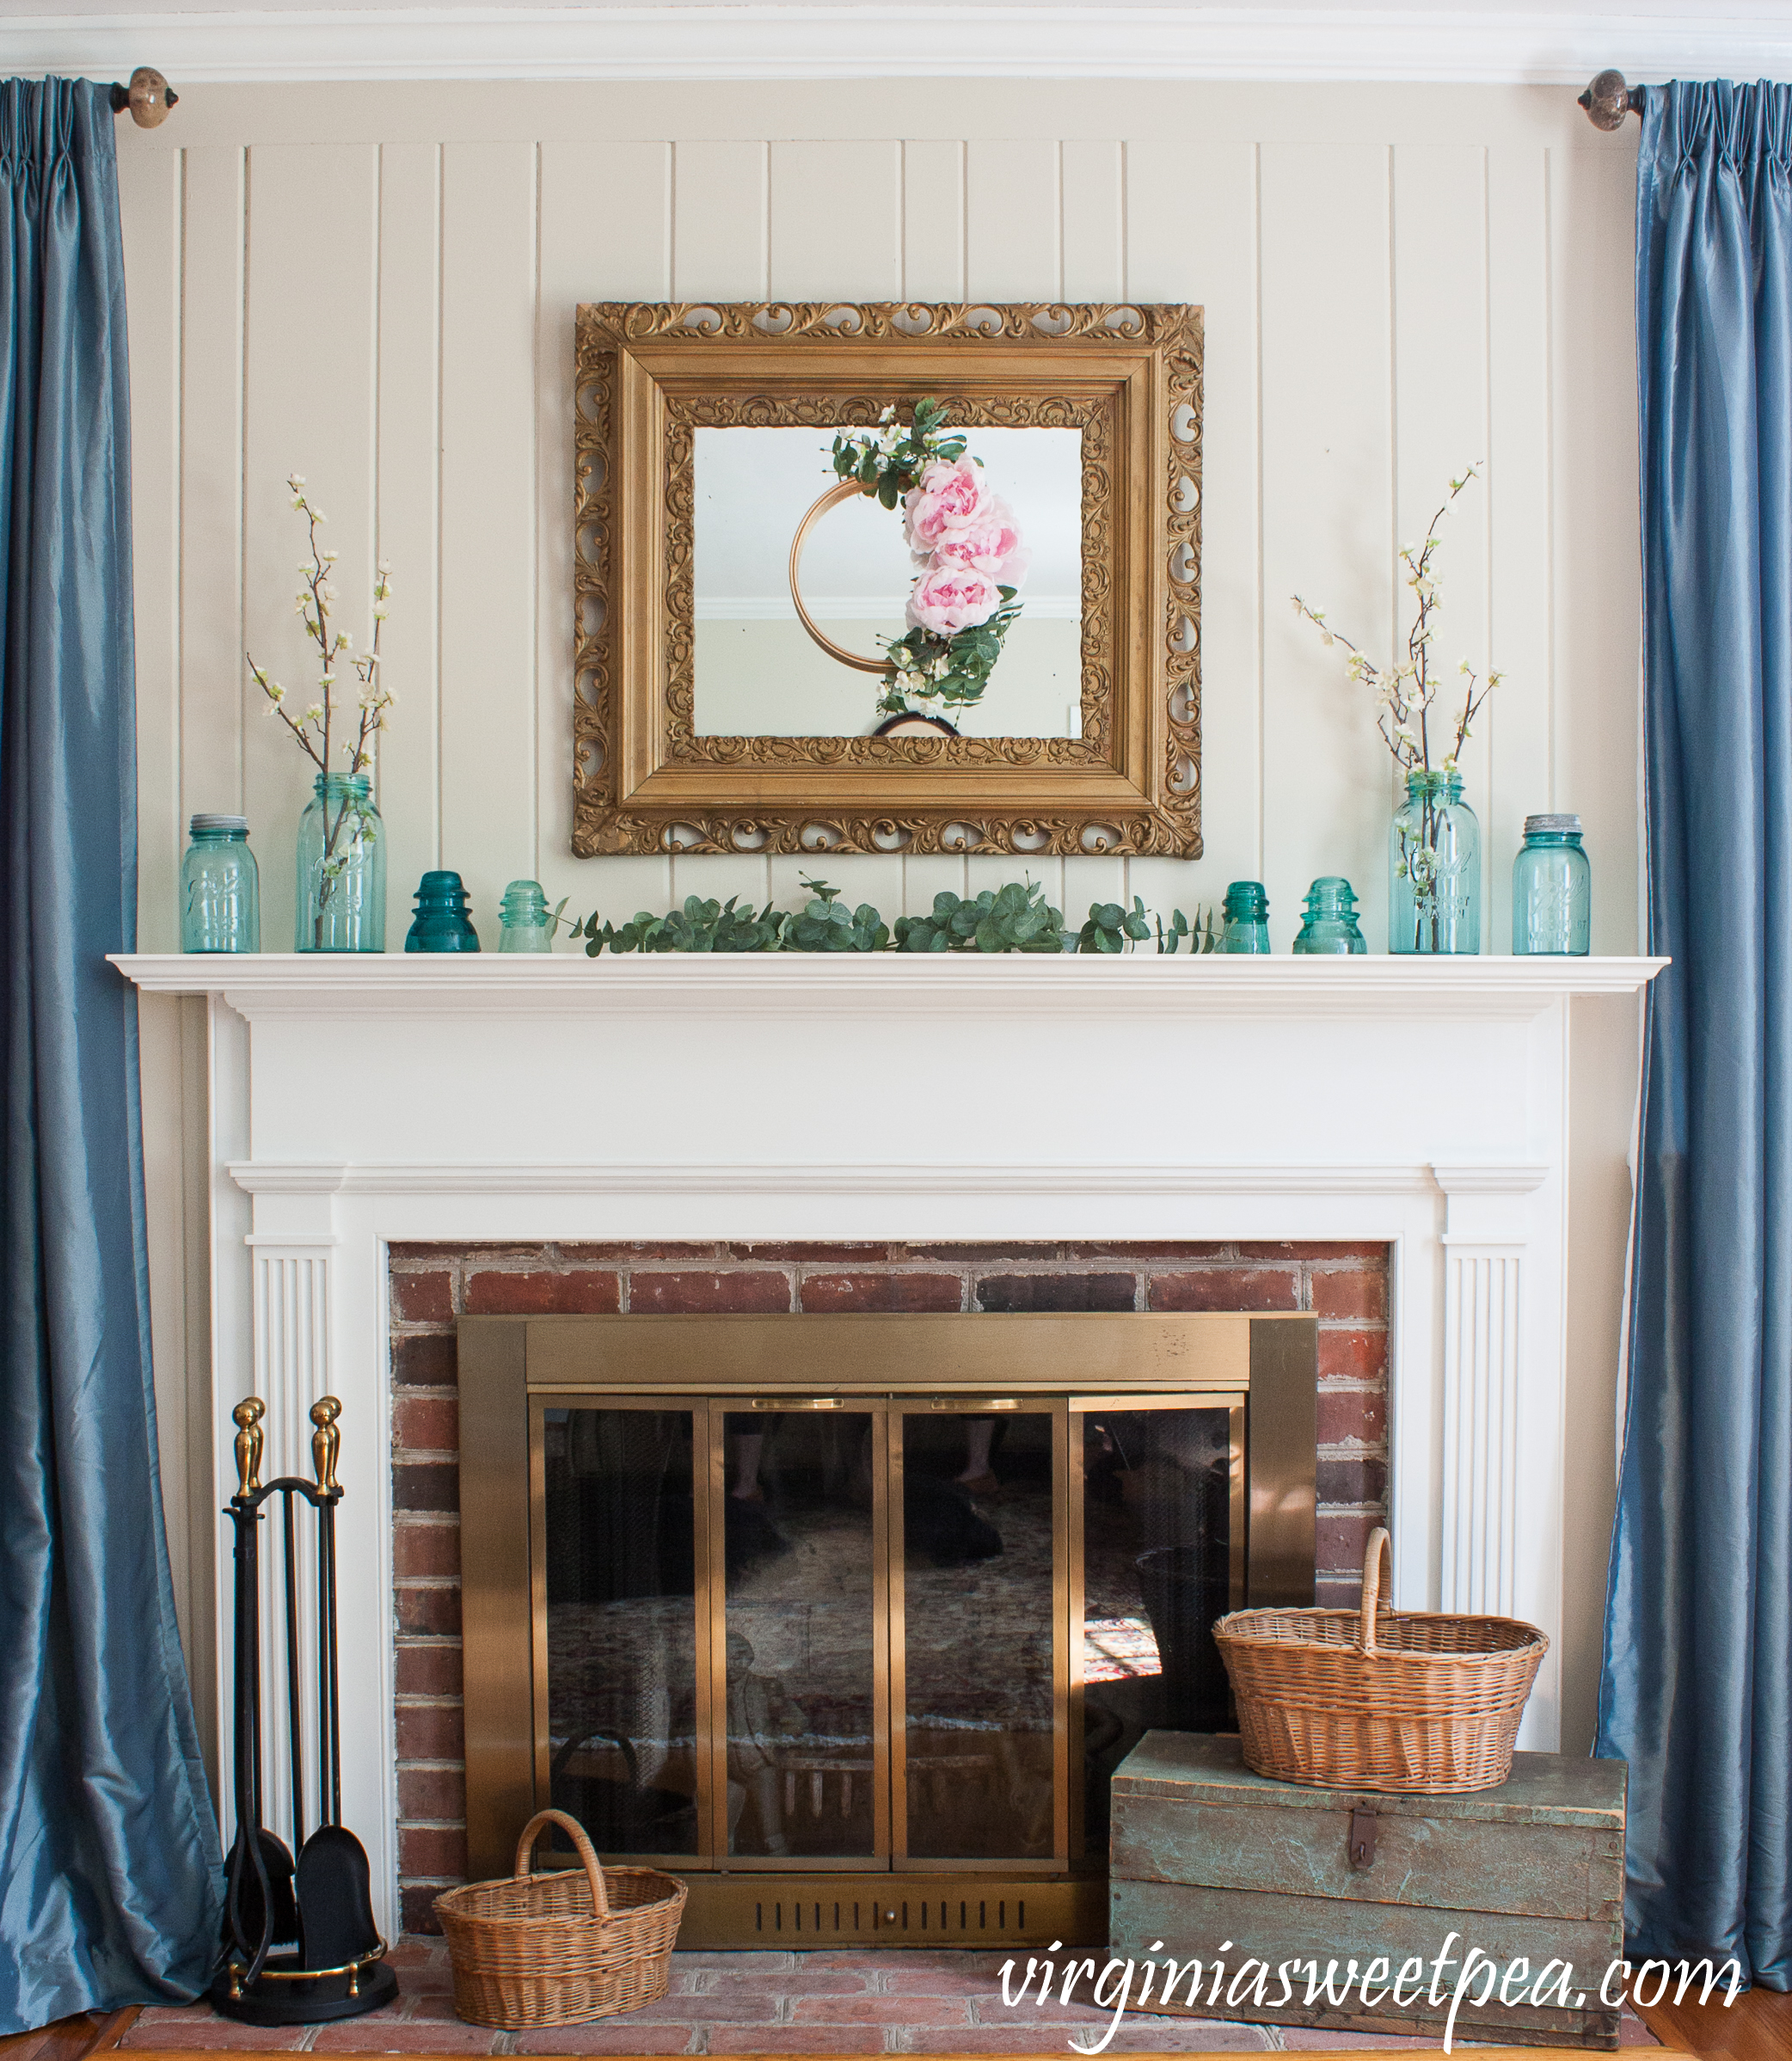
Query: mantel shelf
446, 984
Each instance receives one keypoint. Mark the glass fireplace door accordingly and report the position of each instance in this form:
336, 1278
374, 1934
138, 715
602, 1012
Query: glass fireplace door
800, 1774
835, 1634
618, 1678
980, 1591
1158, 1521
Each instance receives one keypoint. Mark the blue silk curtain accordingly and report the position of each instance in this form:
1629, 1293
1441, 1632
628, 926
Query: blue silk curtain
108, 1849
1698, 1640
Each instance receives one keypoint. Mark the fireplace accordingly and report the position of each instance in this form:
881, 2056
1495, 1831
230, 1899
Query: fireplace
1421, 1107
848, 1619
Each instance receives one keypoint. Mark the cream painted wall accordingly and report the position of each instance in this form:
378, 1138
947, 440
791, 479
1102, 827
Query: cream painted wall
374, 286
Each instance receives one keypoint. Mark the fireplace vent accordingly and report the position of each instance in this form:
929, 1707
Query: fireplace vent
917, 1911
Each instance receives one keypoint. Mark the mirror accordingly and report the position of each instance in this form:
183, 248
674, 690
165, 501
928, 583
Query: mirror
760, 670
888, 577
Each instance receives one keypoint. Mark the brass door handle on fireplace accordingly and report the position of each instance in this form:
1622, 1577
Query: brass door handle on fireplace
973, 1403
794, 1402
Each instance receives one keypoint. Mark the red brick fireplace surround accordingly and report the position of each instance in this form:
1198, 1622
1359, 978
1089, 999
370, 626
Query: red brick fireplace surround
1344, 1285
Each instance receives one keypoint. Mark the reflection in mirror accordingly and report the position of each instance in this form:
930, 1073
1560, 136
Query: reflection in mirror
760, 672
622, 1626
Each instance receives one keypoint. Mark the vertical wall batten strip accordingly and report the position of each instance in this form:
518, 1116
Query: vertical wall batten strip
535, 539
1258, 771
151, 219
592, 249
1551, 473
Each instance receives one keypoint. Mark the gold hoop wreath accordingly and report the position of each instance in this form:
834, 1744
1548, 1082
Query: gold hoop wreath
846, 491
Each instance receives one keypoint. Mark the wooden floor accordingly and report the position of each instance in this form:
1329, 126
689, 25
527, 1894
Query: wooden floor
1757, 2027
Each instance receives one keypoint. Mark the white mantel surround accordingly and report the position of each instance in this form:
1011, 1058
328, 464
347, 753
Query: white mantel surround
357, 1100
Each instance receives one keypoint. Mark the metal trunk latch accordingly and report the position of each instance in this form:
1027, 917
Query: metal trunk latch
1362, 1837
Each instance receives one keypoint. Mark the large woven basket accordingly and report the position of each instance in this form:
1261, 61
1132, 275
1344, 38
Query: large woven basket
561, 1947
1373, 1699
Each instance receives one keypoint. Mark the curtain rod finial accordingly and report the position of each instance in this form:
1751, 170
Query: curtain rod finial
1608, 99
149, 96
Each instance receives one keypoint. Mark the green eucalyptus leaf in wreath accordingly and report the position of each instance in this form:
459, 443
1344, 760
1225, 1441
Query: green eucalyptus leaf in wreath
886, 492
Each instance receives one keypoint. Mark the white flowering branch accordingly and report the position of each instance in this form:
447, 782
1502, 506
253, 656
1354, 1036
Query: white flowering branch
312, 729
316, 593
1404, 692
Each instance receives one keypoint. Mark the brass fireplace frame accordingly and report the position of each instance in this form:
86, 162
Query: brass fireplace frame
1261, 1367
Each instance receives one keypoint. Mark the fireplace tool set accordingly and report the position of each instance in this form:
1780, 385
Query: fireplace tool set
317, 1905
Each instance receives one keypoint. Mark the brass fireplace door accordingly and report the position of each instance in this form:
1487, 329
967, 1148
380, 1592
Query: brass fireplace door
860, 1633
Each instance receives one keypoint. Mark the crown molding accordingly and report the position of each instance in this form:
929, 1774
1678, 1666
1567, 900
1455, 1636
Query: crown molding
701, 42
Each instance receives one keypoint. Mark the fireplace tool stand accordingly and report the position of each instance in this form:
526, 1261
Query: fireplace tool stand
318, 1907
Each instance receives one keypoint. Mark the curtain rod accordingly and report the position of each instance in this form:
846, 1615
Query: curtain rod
1607, 99
149, 96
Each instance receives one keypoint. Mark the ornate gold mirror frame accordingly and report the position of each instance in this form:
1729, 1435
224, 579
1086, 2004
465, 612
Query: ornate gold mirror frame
649, 374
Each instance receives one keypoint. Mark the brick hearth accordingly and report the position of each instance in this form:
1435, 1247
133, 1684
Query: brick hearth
1344, 1285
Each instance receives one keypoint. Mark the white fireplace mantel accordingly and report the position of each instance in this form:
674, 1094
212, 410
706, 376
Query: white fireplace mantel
358, 1100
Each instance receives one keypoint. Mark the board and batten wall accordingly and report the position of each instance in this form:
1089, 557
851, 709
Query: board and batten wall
374, 286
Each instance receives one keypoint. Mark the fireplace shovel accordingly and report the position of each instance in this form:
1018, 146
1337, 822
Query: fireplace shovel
335, 1905
324, 1906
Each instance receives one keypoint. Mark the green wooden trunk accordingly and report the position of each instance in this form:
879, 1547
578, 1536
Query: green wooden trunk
1211, 1863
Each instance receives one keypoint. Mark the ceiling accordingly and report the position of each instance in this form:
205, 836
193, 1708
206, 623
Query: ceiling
1479, 41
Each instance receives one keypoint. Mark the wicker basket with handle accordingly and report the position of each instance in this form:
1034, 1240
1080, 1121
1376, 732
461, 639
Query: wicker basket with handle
561, 1947
1371, 1699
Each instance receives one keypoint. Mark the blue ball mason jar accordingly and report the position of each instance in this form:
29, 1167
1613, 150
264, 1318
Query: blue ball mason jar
341, 901
1551, 890
1435, 866
220, 888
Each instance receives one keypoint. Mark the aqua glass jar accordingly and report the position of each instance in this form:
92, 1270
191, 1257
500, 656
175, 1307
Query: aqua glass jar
341, 901
441, 923
1434, 867
1330, 924
1551, 890
220, 888
1247, 916
523, 914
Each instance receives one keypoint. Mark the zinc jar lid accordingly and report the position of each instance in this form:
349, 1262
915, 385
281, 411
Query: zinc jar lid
204, 823
1544, 826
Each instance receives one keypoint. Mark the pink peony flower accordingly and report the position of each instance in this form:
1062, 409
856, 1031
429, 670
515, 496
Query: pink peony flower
991, 545
948, 497
948, 598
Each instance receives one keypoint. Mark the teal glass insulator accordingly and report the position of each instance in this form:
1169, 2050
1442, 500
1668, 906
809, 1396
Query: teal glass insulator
340, 905
1247, 914
441, 923
525, 926
1434, 867
1552, 889
1329, 924
220, 888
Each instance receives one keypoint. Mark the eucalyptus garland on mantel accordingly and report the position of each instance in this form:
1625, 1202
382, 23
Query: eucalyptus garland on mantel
1014, 917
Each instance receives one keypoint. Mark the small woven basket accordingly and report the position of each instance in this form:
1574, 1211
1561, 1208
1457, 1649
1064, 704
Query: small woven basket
561, 1947
1373, 1699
